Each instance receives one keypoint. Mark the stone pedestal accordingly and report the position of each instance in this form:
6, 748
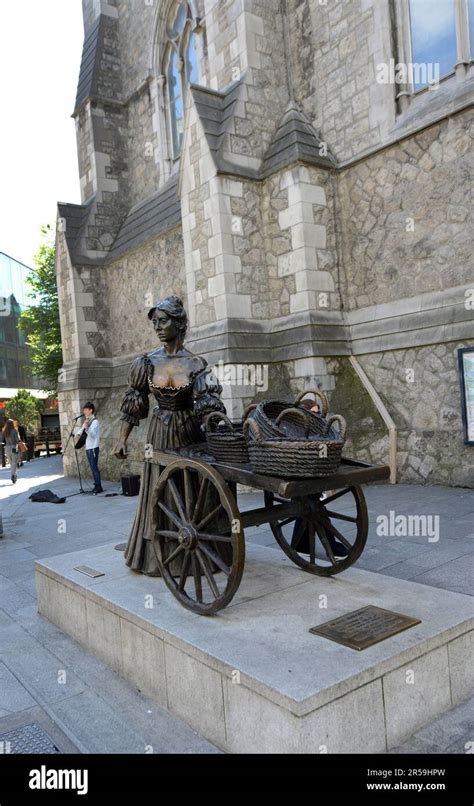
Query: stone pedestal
252, 678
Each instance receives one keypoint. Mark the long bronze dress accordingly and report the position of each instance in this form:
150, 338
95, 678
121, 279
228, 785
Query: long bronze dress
175, 423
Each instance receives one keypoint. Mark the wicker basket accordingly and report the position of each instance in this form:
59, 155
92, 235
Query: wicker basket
226, 442
267, 412
305, 457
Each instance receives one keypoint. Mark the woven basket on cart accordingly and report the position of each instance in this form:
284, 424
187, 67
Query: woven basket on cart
303, 457
267, 412
225, 440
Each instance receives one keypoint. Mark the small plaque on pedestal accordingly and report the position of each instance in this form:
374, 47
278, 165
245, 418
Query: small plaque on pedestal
365, 627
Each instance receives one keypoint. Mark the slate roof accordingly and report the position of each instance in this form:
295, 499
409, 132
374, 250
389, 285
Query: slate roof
74, 216
295, 139
91, 53
149, 218
214, 109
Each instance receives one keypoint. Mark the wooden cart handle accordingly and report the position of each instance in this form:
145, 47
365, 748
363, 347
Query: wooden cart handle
300, 415
217, 415
316, 393
342, 423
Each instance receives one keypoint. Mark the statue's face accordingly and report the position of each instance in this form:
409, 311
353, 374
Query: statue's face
165, 327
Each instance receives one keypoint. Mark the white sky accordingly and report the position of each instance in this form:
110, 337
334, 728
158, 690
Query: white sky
40, 54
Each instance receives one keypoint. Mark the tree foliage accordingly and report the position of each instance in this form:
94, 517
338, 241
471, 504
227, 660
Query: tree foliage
40, 321
25, 408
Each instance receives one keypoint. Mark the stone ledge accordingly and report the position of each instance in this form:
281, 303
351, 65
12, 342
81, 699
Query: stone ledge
307, 689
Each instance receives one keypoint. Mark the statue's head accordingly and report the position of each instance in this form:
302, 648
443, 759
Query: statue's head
169, 318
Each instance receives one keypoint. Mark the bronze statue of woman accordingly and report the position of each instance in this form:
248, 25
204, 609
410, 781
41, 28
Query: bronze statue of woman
185, 391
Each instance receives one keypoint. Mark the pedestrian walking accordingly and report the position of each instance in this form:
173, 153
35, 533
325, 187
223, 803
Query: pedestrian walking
22, 445
11, 438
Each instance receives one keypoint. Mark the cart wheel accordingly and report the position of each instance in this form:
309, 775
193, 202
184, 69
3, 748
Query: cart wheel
325, 525
196, 521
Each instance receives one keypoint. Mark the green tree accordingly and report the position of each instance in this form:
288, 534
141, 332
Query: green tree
40, 321
25, 408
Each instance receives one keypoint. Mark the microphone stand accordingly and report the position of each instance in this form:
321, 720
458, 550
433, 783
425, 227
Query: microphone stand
81, 488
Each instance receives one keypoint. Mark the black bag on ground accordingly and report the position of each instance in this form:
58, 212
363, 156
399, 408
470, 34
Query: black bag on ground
47, 497
131, 484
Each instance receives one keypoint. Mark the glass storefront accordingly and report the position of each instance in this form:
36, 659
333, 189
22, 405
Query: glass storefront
15, 372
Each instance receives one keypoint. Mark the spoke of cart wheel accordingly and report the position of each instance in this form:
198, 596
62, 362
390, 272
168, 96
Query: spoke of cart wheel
173, 555
219, 538
286, 521
184, 571
312, 543
298, 535
330, 526
188, 493
177, 499
336, 495
210, 517
340, 517
326, 545
197, 578
167, 533
208, 574
200, 499
215, 558
171, 515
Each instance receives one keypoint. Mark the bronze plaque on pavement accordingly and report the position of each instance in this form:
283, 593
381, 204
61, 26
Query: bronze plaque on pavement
365, 627
89, 572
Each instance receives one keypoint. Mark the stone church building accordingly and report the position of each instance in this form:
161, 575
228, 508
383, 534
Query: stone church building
310, 203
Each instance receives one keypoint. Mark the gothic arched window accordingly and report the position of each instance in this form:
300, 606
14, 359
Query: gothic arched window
180, 68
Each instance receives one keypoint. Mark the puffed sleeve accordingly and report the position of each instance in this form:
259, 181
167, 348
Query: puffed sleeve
206, 393
135, 404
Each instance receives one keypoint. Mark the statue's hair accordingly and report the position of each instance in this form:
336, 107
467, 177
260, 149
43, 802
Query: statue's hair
173, 306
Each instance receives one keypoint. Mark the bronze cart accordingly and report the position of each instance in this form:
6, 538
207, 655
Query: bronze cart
198, 522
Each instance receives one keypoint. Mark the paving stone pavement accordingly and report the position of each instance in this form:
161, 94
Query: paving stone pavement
49, 680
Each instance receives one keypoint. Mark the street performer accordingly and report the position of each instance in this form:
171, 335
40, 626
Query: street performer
92, 428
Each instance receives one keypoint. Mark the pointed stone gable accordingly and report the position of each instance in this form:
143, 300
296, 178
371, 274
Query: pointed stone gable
294, 140
216, 112
73, 218
88, 75
98, 76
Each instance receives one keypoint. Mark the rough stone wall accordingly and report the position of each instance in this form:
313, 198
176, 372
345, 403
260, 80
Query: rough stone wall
136, 20
311, 251
420, 388
144, 170
66, 301
245, 40
85, 152
335, 47
83, 315
133, 283
422, 180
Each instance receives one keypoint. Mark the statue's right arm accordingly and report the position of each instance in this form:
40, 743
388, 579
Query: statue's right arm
135, 404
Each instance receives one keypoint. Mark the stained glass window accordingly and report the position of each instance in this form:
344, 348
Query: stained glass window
175, 102
182, 67
192, 59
